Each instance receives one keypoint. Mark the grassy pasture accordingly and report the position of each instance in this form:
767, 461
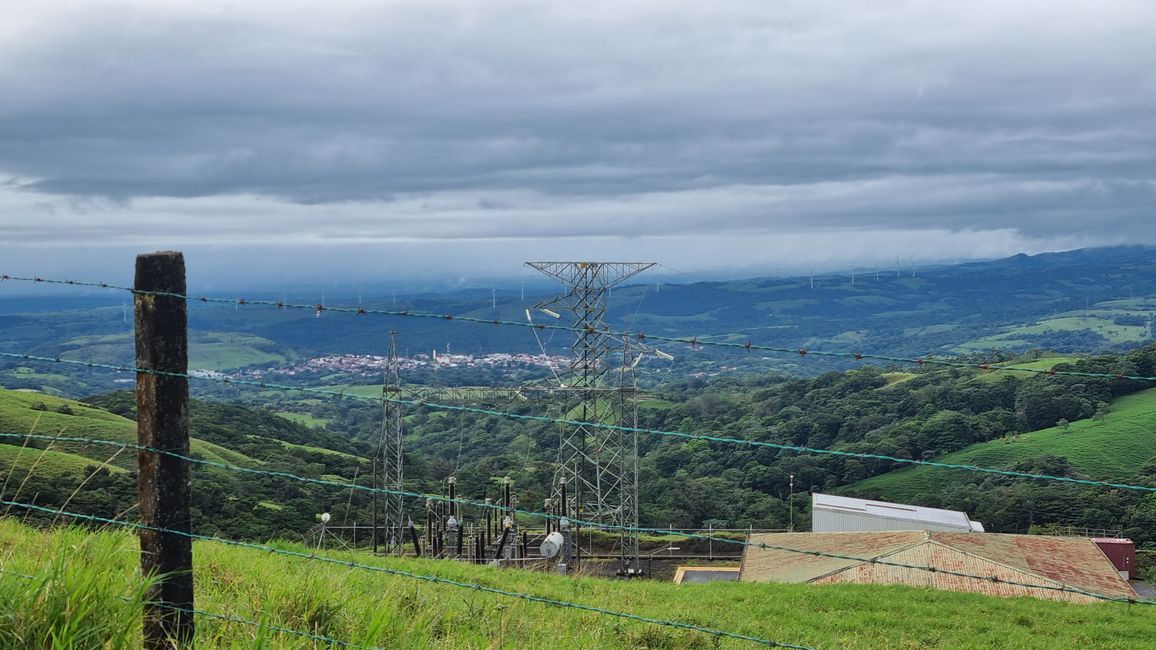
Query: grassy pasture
1115, 449
85, 594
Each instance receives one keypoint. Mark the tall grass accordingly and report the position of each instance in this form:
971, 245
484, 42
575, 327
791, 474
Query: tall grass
87, 593
71, 599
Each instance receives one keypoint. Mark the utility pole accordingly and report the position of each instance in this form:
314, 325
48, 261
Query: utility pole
373, 508
599, 465
390, 452
791, 505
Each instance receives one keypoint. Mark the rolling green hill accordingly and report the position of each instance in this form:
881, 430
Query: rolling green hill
86, 584
207, 350
53, 465
1115, 449
1046, 363
223, 500
25, 412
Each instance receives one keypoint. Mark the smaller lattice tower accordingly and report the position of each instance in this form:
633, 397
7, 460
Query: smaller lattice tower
390, 459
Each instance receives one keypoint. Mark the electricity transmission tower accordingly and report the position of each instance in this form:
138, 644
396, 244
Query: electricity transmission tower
390, 454
599, 466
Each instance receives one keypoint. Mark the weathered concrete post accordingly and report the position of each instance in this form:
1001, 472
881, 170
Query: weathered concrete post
162, 403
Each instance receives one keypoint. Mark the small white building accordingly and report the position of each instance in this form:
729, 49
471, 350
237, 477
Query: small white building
835, 514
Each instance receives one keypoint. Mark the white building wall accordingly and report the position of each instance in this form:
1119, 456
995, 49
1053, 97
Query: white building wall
841, 521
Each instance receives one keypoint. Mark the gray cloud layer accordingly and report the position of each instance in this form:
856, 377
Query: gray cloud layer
198, 122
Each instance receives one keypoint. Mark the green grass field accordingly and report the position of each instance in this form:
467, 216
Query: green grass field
1046, 363
303, 418
20, 414
318, 450
894, 378
56, 465
207, 350
1112, 450
86, 594
1099, 321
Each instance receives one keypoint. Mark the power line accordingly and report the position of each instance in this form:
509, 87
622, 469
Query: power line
407, 574
694, 342
592, 524
601, 425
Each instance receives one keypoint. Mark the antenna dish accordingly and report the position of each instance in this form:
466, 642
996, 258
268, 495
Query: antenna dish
325, 517
551, 545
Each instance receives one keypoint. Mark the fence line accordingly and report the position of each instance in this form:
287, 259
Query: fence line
597, 425
694, 341
165, 525
406, 574
593, 524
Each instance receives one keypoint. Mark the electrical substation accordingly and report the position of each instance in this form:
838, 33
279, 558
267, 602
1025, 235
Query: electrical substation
595, 476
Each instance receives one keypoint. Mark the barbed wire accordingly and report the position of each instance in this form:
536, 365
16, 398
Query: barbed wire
407, 574
596, 425
694, 342
587, 523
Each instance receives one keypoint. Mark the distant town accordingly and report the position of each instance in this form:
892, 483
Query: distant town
369, 365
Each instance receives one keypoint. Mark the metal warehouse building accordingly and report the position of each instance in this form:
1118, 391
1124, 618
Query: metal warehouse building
1041, 563
831, 514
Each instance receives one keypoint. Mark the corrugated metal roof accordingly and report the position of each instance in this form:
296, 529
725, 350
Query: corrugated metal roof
887, 510
1047, 561
769, 565
1071, 561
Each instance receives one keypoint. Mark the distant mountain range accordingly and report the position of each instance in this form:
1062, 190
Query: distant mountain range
1076, 301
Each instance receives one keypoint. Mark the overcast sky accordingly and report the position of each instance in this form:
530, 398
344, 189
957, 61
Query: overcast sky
283, 140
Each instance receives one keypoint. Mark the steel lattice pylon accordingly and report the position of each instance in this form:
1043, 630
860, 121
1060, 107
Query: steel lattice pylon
599, 466
392, 475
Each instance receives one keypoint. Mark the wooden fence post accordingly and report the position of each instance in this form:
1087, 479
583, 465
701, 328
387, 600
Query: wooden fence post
162, 403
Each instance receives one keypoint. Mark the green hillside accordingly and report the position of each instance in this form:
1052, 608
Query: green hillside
207, 350
54, 465
224, 501
1100, 324
1047, 363
313, 449
85, 585
1115, 449
46, 415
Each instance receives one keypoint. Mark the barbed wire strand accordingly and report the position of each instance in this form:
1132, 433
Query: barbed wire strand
586, 523
594, 425
408, 574
694, 342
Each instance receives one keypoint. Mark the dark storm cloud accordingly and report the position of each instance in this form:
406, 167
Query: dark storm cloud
471, 120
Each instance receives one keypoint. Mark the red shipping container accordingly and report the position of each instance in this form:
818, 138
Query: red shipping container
1122, 553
